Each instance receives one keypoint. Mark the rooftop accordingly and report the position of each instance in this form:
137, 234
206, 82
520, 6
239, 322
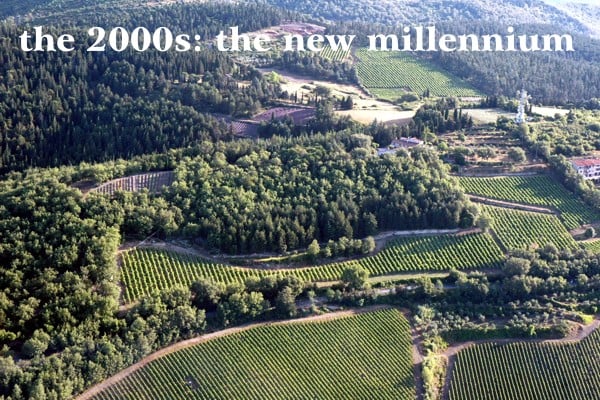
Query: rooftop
586, 162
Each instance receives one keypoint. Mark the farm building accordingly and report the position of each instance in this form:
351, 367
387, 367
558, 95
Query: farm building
589, 168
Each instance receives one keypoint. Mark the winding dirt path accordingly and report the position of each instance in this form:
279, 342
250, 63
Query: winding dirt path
96, 389
575, 336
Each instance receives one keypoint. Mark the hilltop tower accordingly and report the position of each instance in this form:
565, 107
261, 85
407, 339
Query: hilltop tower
523, 103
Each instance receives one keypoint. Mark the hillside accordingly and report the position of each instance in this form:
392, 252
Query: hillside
392, 12
587, 12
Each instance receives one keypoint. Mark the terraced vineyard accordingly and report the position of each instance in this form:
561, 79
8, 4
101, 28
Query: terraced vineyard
153, 181
338, 55
403, 72
147, 270
522, 229
357, 357
528, 371
535, 190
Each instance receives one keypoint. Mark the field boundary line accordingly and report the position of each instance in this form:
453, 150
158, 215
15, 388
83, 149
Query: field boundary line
512, 205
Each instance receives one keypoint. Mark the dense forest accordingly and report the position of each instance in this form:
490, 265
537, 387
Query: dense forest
284, 194
60, 108
542, 73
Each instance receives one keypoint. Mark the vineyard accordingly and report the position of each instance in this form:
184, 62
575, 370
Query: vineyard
528, 371
243, 128
593, 246
522, 229
535, 190
403, 72
337, 55
363, 356
153, 181
298, 115
146, 270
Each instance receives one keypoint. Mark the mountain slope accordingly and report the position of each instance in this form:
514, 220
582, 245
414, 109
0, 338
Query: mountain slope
584, 11
391, 12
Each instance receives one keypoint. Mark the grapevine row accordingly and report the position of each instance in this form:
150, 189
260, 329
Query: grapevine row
524, 230
147, 270
358, 357
393, 70
535, 190
528, 371
338, 55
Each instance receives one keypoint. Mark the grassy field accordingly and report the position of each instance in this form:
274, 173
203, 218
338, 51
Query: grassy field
519, 371
147, 270
365, 356
536, 190
524, 230
390, 74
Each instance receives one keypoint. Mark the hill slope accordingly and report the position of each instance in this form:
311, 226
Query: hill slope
391, 12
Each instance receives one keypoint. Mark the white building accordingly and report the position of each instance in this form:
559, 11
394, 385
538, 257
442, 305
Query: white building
589, 168
402, 143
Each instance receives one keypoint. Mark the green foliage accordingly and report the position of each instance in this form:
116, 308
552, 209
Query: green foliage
355, 277
285, 304
535, 370
540, 73
313, 250
516, 154
536, 190
58, 263
265, 362
516, 266
392, 13
433, 371
280, 195
63, 108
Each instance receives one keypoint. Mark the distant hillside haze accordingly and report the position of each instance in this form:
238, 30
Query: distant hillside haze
392, 12
585, 11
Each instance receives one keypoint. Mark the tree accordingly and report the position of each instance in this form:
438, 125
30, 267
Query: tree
355, 277
516, 154
206, 294
368, 245
484, 222
485, 152
36, 345
313, 250
516, 266
285, 304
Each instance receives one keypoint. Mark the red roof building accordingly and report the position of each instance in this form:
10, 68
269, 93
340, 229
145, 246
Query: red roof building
589, 168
